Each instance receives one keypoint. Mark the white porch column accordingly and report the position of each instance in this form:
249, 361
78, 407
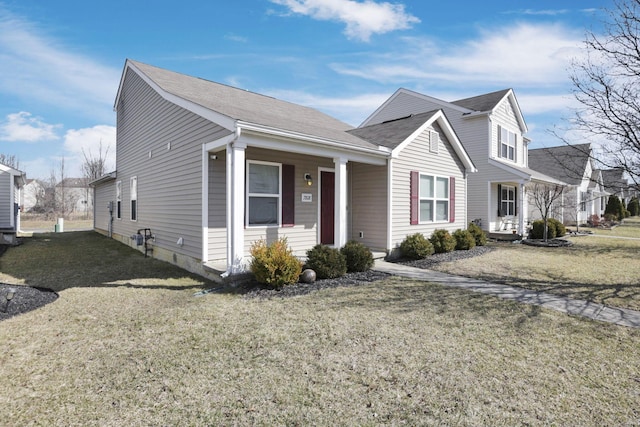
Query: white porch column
234, 263
524, 210
340, 236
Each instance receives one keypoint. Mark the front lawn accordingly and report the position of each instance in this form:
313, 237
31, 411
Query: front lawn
598, 268
127, 343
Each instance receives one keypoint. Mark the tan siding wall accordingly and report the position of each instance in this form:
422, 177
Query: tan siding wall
304, 234
217, 243
170, 181
104, 194
417, 157
368, 207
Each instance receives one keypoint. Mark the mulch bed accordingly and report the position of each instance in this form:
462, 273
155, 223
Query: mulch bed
25, 298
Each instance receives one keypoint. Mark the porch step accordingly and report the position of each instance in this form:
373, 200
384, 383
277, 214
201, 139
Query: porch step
504, 237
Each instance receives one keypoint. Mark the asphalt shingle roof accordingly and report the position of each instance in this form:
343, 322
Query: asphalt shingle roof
566, 162
392, 132
484, 102
251, 107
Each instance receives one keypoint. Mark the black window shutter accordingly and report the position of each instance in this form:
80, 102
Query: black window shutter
515, 201
499, 200
288, 195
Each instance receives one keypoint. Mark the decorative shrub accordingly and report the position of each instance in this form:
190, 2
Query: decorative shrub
274, 264
442, 241
537, 231
477, 233
594, 220
358, 256
464, 240
614, 207
634, 207
561, 230
416, 246
328, 263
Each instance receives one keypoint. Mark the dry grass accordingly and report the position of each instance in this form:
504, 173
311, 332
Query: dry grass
136, 348
597, 268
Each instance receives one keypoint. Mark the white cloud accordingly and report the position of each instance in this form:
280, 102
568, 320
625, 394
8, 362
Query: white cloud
36, 67
521, 54
362, 19
78, 142
23, 127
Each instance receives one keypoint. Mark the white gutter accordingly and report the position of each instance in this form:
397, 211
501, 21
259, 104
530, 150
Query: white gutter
230, 231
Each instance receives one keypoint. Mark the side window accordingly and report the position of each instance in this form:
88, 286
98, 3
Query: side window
134, 198
119, 200
508, 200
263, 195
434, 198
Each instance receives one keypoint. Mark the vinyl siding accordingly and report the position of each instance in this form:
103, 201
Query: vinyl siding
417, 157
217, 240
169, 178
104, 194
368, 205
304, 234
6, 203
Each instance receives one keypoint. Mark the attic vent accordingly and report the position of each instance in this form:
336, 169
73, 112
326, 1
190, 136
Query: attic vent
399, 118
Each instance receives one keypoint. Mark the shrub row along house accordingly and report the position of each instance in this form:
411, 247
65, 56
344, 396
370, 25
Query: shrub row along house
203, 170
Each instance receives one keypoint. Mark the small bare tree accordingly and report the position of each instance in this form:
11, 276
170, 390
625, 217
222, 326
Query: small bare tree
93, 168
544, 197
10, 160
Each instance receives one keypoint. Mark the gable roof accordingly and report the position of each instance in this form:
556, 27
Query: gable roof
614, 181
20, 176
396, 134
566, 162
486, 102
232, 107
467, 107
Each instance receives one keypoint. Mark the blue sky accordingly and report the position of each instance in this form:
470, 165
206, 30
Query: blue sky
60, 61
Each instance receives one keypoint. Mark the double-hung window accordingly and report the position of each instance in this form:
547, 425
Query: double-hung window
434, 198
119, 199
507, 200
134, 198
264, 193
507, 143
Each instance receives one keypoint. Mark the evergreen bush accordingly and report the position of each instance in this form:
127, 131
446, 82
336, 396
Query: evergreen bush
477, 233
416, 246
274, 264
442, 241
464, 240
537, 231
358, 256
561, 230
328, 263
614, 207
634, 207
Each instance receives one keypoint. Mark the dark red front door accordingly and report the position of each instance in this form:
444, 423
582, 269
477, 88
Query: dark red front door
327, 204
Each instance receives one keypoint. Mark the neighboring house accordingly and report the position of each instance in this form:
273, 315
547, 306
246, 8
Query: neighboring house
74, 196
615, 183
491, 128
32, 194
208, 169
585, 195
11, 183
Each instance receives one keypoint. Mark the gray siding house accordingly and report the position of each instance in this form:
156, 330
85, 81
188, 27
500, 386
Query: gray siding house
585, 194
491, 128
11, 183
209, 169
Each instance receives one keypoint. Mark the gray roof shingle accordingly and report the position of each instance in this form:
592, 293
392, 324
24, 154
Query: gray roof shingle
251, 107
566, 162
392, 132
484, 102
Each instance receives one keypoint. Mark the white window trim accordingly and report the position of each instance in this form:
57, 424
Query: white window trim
435, 199
507, 144
249, 195
133, 196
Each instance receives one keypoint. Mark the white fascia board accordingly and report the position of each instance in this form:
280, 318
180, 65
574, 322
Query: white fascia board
104, 178
516, 107
213, 116
220, 144
509, 169
277, 139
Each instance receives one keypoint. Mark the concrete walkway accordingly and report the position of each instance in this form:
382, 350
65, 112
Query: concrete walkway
618, 316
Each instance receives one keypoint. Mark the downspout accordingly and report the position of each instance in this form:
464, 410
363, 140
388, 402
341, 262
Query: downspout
229, 177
